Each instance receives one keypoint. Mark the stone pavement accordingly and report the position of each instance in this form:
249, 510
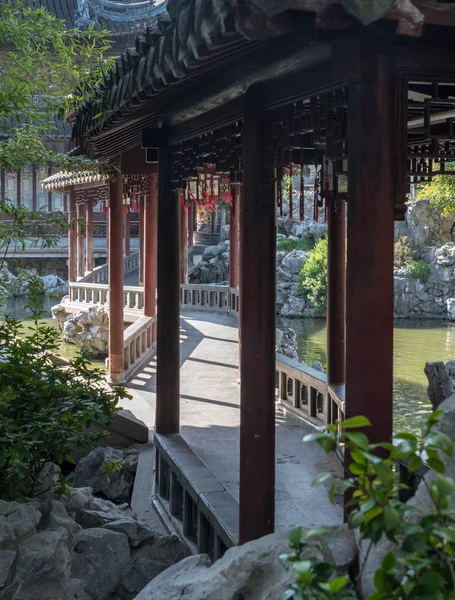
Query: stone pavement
210, 420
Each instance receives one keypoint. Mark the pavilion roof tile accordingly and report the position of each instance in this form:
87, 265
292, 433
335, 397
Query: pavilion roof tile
64, 179
192, 33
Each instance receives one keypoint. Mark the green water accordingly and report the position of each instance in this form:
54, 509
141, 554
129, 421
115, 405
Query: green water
415, 342
16, 308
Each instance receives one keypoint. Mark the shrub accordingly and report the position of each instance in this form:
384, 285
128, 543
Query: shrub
419, 269
425, 566
313, 276
289, 244
46, 406
402, 252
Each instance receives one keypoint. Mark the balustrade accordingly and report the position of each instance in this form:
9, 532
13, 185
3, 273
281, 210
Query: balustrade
303, 391
137, 342
205, 297
191, 500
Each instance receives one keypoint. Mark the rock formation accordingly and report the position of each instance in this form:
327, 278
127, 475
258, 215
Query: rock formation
16, 285
79, 548
92, 471
250, 571
88, 328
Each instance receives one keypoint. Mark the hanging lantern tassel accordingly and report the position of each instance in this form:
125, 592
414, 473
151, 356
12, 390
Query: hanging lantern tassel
291, 211
101, 208
302, 190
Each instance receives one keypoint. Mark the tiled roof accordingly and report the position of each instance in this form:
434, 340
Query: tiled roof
195, 32
66, 179
121, 17
193, 35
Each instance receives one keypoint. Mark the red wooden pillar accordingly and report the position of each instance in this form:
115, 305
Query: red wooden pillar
183, 244
257, 321
369, 278
336, 288
127, 233
168, 325
150, 243
234, 239
190, 224
89, 236
72, 245
80, 239
115, 261
141, 240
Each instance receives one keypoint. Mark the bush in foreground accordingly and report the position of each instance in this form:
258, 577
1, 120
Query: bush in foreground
46, 405
421, 564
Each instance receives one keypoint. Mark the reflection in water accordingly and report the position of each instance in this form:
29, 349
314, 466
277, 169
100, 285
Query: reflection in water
415, 342
16, 307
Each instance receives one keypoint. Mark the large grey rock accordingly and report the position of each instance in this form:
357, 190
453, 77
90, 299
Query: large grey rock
294, 261
42, 569
286, 343
7, 557
48, 477
18, 519
440, 383
88, 329
152, 558
116, 486
250, 571
426, 226
99, 558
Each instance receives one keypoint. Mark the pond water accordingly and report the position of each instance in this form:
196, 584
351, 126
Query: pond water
16, 307
415, 342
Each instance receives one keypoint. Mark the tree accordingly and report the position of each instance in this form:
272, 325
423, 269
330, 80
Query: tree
441, 193
45, 69
46, 405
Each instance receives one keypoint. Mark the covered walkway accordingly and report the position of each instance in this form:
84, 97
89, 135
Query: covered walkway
210, 422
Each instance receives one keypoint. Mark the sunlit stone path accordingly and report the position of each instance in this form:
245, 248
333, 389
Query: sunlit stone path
210, 421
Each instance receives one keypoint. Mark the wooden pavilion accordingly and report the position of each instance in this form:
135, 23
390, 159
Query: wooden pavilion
241, 90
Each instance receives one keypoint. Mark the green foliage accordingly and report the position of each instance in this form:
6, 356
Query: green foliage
46, 404
425, 566
419, 269
46, 69
402, 252
441, 193
313, 276
315, 579
289, 244
112, 467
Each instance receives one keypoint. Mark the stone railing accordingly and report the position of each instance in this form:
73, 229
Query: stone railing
98, 275
212, 296
137, 342
133, 297
89, 293
101, 274
303, 391
234, 300
98, 293
191, 501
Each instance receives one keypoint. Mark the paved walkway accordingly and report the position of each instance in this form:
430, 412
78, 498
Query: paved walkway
210, 419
